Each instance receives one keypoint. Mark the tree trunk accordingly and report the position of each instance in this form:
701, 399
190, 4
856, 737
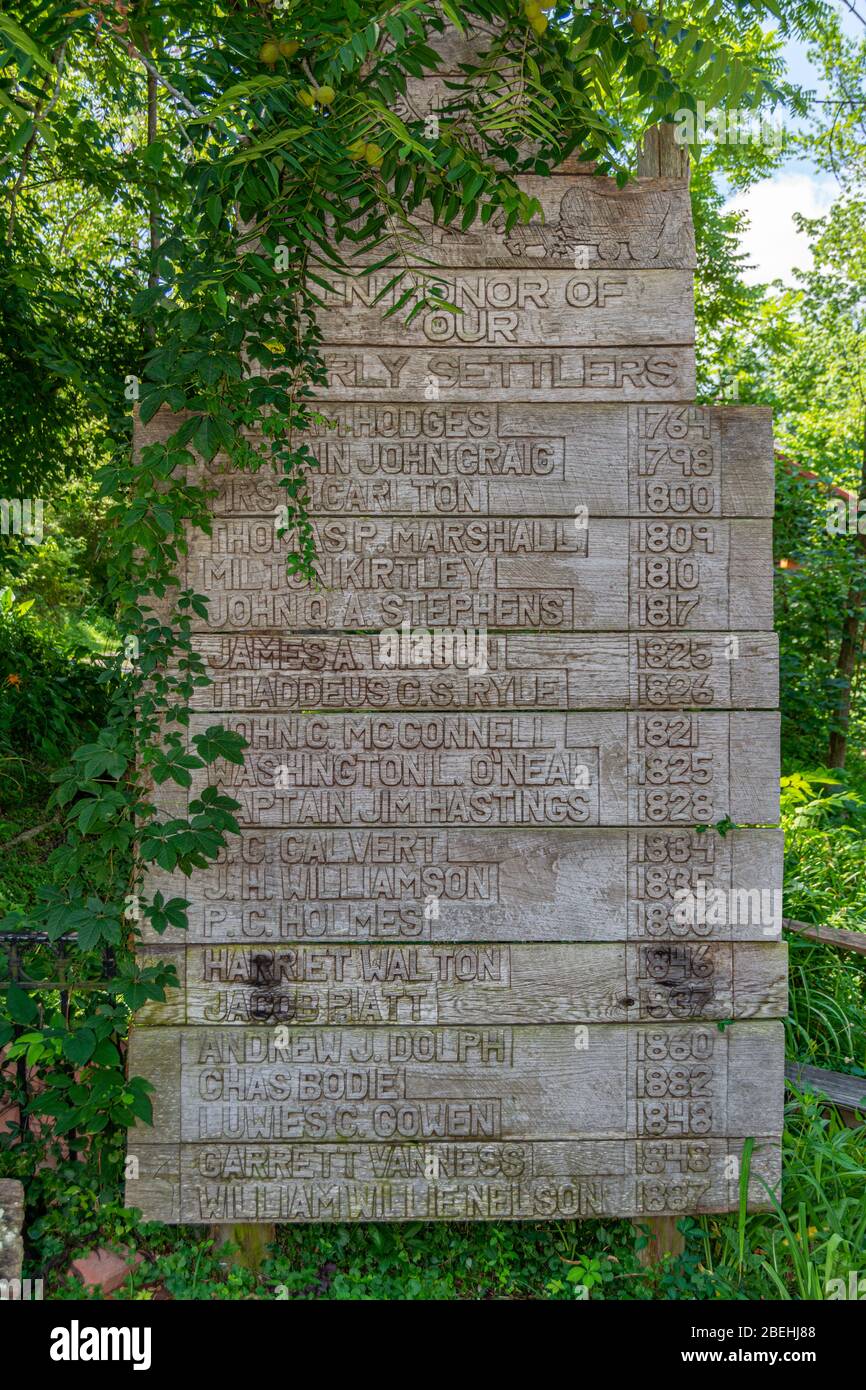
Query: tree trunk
850, 648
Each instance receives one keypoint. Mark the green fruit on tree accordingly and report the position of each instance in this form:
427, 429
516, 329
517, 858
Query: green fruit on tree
269, 53
373, 155
538, 22
639, 22
306, 98
358, 150
288, 48
324, 95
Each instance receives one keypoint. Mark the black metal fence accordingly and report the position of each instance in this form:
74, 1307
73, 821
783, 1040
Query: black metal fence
17, 948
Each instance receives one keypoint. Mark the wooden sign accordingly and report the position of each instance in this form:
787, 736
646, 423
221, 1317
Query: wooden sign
454, 885
409, 669
483, 374
585, 223
373, 985
304, 1124
512, 572
510, 307
502, 769
499, 937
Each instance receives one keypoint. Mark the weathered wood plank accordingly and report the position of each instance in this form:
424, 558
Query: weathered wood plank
153, 1181
373, 986
660, 155
839, 1087
508, 769
487, 672
519, 1180
829, 936
606, 373
510, 308
587, 223
273, 886
532, 460
529, 573
487, 1083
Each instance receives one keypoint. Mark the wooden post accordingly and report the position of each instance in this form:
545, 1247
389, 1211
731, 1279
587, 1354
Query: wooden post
664, 1239
659, 156
251, 1240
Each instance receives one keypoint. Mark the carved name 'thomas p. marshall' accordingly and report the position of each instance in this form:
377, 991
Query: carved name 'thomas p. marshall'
486, 946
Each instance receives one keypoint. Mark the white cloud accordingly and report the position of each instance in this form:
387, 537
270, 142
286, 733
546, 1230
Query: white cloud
772, 242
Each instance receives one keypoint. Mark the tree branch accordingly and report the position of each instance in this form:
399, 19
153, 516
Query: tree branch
40, 116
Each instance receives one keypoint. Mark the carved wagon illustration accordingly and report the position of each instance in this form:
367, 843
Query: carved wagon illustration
618, 224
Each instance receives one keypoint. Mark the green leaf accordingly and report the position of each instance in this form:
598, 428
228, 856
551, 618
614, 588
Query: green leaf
106, 1054
142, 1107
20, 1005
19, 38
207, 439
79, 1045
217, 742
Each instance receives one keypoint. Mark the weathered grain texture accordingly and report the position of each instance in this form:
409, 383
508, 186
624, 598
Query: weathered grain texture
483, 671
455, 885
509, 769
372, 986
528, 460
435, 1181
609, 574
840, 1087
586, 223
153, 1170
468, 955
661, 155
480, 375
587, 1081
511, 309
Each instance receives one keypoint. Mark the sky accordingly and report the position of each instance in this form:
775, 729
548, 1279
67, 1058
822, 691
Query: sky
772, 243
